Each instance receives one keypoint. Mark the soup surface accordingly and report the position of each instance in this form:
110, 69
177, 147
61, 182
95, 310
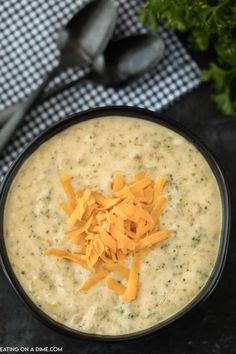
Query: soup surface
171, 274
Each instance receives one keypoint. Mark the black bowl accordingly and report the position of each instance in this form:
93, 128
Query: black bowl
129, 112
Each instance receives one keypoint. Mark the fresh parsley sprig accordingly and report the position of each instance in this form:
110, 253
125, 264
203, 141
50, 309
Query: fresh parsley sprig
209, 24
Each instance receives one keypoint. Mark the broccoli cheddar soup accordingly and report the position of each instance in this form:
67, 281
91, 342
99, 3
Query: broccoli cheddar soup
113, 225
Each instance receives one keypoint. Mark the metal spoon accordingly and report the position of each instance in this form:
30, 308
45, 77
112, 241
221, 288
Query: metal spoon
81, 41
87, 33
124, 60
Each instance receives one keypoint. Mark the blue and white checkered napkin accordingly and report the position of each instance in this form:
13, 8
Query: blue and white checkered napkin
28, 36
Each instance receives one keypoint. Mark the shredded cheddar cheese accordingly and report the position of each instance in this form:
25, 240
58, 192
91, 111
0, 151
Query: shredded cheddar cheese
109, 229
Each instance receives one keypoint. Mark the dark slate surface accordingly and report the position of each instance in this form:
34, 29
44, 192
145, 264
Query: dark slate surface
209, 329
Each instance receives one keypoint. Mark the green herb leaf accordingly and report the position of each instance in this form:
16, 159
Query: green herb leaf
220, 76
208, 24
224, 102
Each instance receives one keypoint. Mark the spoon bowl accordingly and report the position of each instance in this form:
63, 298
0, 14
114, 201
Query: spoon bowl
127, 58
87, 34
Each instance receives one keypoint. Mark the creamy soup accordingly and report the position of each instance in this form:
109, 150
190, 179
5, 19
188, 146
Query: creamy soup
171, 274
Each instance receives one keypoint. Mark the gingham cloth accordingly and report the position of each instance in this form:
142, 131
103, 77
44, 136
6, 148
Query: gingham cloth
28, 49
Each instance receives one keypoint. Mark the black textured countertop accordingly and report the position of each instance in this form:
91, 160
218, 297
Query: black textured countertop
211, 328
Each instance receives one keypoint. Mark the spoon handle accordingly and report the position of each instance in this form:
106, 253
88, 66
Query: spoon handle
8, 112
19, 114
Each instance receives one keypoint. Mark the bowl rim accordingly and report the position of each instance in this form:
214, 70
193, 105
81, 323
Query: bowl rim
130, 112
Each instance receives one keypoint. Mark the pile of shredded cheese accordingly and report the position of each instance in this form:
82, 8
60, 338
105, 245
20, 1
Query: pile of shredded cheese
108, 229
